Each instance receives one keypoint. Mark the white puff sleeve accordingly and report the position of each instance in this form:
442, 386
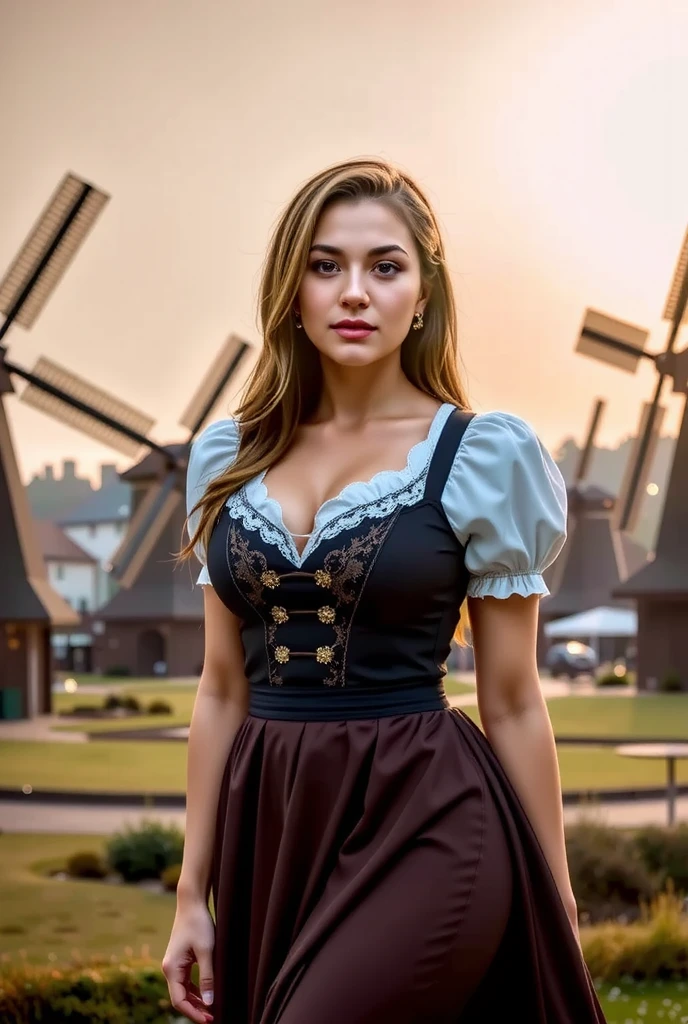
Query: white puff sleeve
505, 498
211, 453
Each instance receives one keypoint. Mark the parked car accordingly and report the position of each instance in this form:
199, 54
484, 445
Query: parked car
571, 659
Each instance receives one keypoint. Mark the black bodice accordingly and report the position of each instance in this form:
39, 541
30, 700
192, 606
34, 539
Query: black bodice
361, 629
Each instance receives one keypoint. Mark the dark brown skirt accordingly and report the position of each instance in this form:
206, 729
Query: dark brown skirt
384, 872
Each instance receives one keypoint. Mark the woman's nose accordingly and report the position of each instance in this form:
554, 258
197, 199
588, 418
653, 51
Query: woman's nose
354, 290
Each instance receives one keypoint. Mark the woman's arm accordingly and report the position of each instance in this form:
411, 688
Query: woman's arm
220, 707
516, 722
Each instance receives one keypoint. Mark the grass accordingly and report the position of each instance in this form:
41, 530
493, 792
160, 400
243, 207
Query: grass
144, 766
48, 919
44, 921
645, 1002
159, 766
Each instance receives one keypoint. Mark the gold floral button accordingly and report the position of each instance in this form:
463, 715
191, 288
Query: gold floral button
269, 578
324, 655
322, 577
326, 614
282, 654
279, 614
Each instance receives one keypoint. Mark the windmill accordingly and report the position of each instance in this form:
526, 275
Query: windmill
596, 556
152, 625
29, 608
660, 588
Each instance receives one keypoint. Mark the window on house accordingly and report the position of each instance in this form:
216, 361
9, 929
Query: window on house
59, 572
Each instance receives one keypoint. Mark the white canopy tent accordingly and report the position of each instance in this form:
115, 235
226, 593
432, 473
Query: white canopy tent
593, 624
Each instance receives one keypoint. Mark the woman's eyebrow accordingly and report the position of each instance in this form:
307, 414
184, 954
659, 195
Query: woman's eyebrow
379, 250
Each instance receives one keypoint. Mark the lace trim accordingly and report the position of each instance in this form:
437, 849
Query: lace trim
240, 508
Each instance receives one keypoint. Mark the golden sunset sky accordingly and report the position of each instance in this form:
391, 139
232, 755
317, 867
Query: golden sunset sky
550, 134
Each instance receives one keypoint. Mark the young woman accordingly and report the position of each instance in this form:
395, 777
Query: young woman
373, 856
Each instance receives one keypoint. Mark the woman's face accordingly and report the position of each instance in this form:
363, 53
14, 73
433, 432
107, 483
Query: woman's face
362, 284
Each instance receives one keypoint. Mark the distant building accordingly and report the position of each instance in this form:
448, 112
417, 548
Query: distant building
98, 524
51, 495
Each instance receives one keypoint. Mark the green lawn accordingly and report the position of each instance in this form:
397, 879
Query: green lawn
645, 1002
46, 921
142, 766
49, 919
152, 766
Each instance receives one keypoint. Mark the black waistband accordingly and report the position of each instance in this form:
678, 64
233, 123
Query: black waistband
325, 704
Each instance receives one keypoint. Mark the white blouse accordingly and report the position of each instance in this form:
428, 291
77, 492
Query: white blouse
505, 499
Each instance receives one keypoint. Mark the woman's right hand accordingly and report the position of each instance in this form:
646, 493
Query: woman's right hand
192, 941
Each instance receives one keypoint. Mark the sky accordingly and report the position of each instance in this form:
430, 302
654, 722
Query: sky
550, 138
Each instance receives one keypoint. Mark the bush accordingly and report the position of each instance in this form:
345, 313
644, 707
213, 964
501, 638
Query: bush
145, 851
170, 877
159, 707
107, 993
664, 851
130, 703
610, 679
86, 864
608, 876
125, 701
117, 670
656, 948
671, 683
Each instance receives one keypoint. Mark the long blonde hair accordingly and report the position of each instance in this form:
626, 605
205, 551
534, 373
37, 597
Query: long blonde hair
285, 384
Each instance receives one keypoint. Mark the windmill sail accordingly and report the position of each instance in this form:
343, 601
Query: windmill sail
214, 383
80, 390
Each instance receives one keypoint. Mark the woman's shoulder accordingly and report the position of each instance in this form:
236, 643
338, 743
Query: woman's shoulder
212, 452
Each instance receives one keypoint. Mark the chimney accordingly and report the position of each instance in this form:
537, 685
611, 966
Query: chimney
108, 474
68, 469
49, 473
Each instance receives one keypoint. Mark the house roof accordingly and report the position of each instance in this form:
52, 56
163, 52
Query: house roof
111, 504
57, 546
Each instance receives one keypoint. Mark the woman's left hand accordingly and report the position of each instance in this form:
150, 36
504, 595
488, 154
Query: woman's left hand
572, 912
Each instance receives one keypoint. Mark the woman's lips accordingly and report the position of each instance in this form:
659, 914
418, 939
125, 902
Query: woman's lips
353, 333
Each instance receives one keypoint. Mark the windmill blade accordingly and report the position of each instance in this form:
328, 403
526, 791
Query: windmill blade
675, 309
100, 400
612, 341
49, 249
146, 526
214, 383
633, 486
586, 453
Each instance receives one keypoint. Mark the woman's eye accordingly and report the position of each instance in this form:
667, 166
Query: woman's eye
387, 269
325, 266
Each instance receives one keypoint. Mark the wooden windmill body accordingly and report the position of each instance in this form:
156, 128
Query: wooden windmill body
29, 608
596, 556
660, 587
153, 625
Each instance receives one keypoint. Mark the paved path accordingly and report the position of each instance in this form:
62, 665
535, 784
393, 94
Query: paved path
36, 817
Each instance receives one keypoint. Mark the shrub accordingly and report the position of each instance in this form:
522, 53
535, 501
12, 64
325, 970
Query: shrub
610, 679
170, 877
109, 994
671, 683
664, 851
655, 948
112, 701
145, 851
159, 707
117, 670
130, 703
608, 875
86, 864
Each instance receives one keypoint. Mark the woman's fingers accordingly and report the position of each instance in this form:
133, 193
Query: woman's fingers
187, 1003
205, 974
